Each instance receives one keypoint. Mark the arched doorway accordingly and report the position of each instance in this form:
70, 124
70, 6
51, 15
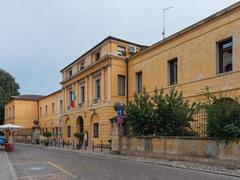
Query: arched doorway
67, 129
80, 124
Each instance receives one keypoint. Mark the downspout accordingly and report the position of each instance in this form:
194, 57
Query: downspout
127, 81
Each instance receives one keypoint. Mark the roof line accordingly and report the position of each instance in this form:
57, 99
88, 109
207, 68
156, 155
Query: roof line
104, 40
55, 92
190, 28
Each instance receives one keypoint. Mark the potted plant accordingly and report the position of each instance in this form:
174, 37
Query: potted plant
47, 135
80, 137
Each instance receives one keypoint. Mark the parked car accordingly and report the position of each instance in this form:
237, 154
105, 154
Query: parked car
2, 140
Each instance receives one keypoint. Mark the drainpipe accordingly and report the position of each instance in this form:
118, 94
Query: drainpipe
127, 81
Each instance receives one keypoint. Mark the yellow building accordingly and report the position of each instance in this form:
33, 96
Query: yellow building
204, 54
22, 110
98, 80
50, 109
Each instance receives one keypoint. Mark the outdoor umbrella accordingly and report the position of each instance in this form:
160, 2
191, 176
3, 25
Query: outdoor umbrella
11, 128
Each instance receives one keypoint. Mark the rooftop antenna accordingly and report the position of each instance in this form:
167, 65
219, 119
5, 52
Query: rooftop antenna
164, 11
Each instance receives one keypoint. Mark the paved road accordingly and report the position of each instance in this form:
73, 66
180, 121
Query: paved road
34, 162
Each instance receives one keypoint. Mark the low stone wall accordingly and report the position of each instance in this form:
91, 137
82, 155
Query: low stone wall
204, 150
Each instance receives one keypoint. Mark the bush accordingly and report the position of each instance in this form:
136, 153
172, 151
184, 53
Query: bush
221, 116
139, 114
165, 115
47, 134
172, 114
79, 135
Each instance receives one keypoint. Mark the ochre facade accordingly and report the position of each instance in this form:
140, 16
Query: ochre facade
204, 54
21, 112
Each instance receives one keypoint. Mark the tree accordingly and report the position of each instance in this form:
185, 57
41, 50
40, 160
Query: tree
172, 114
222, 116
139, 114
8, 87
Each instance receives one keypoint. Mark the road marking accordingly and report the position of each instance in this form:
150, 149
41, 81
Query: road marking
61, 169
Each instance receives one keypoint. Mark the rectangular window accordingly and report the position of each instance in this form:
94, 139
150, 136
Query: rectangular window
121, 85
70, 98
82, 97
40, 111
69, 131
61, 106
70, 73
97, 89
97, 56
81, 66
121, 51
95, 130
139, 82
53, 107
13, 110
46, 109
173, 71
225, 55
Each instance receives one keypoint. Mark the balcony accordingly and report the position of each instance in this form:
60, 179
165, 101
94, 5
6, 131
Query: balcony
80, 105
96, 101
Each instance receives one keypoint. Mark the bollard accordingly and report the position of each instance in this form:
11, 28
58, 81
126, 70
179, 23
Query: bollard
62, 143
93, 146
73, 144
101, 146
68, 143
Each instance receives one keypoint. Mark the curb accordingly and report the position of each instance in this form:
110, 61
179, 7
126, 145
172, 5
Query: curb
134, 158
11, 169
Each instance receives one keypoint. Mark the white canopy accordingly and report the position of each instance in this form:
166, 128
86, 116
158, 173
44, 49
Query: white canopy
10, 127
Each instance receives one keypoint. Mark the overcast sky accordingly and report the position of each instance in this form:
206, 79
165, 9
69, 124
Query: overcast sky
40, 37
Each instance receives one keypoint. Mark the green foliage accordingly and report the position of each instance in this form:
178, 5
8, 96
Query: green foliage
165, 115
221, 116
8, 88
47, 134
140, 114
172, 114
79, 135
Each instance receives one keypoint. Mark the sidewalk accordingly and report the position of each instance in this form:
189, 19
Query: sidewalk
163, 162
6, 170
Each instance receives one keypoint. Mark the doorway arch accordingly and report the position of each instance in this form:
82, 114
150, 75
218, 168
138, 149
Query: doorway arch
80, 124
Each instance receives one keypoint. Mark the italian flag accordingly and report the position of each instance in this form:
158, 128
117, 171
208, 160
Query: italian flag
73, 98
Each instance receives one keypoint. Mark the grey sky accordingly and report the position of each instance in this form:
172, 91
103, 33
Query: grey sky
40, 37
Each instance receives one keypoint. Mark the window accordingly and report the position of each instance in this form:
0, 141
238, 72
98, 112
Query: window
10, 113
225, 56
97, 89
70, 98
61, 106
81, 66
139, 82
82, 94
69, 131
173, 71
121, 51
53, 107
121, 85
97, 56
95, 130
69, 73
40, 111
46, 108
13, 110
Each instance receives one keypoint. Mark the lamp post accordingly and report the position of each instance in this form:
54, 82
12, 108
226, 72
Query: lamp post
164, 11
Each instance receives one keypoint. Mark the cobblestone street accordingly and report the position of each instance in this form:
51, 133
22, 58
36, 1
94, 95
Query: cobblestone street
35, 162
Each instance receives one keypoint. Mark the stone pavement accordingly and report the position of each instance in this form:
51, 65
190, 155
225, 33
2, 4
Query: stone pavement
171, 163
6, 170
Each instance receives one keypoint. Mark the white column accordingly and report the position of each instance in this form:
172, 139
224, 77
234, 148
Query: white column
109, 93
102, 86
90, 90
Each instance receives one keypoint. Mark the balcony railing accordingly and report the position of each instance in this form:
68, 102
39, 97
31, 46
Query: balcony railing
80, 105
96, 101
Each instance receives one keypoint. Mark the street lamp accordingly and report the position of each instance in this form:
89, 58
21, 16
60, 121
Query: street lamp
164, 11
